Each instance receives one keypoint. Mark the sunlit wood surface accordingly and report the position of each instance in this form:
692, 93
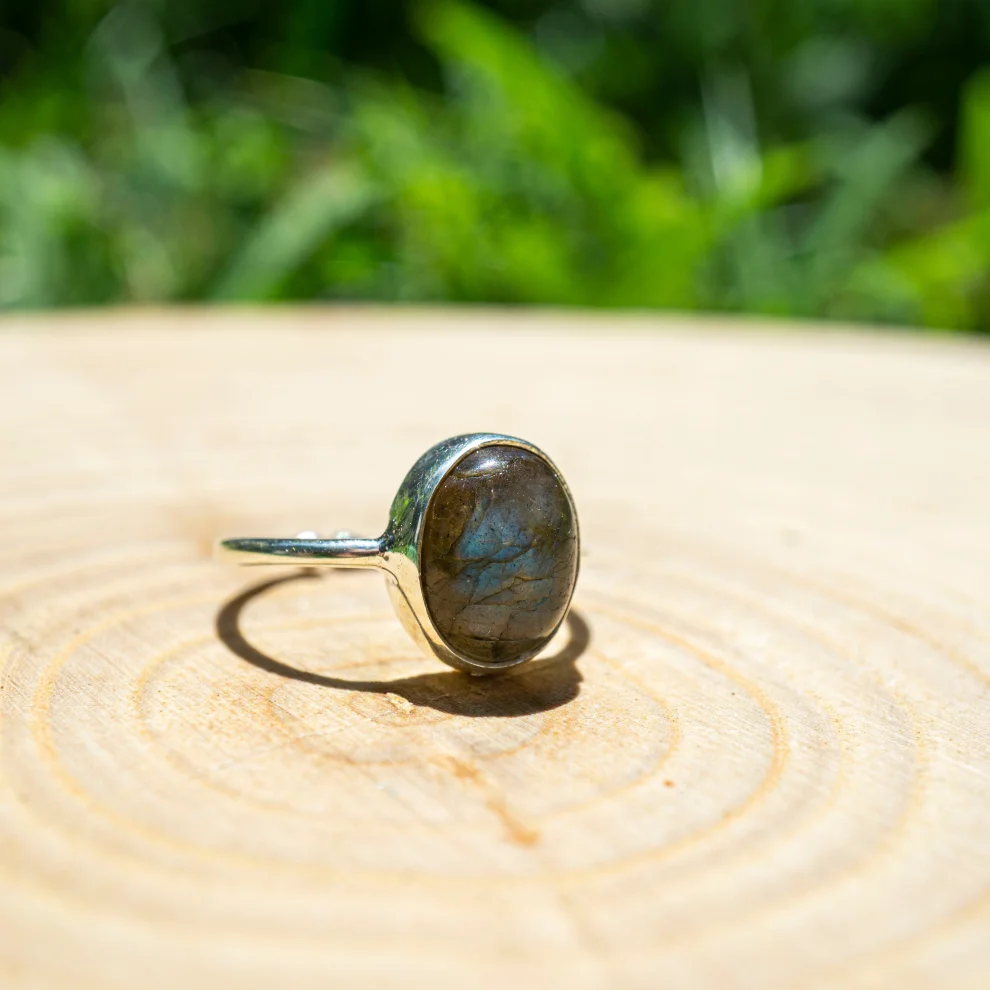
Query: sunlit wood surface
761, 758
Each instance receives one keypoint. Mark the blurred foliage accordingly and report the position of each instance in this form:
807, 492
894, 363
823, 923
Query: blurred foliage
820, 158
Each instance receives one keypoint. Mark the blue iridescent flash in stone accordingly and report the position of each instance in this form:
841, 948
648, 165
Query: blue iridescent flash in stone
499, 554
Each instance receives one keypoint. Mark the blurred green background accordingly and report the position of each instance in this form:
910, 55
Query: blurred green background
811, 158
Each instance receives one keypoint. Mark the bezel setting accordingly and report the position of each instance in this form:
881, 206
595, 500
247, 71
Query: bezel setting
402, 545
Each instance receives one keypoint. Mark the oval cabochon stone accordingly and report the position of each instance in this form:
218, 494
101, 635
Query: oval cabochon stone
499, 554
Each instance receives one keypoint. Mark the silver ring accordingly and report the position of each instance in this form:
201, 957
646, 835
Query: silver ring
480, 552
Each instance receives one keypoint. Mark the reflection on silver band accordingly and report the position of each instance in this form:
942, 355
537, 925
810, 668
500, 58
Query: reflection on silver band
308, 552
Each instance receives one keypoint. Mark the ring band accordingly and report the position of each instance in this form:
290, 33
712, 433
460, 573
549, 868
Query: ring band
313, 552
481, 551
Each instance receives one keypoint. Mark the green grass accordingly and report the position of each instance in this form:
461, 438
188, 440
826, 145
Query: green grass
511, 181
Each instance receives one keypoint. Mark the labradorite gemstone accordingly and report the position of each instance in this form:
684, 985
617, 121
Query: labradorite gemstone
499, 554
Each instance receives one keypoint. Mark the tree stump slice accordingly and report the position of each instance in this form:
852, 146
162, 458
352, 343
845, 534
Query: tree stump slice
758, 756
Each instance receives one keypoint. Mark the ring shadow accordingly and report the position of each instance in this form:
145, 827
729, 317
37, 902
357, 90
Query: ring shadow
537, 686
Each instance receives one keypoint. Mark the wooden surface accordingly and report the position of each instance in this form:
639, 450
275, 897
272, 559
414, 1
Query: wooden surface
761, 758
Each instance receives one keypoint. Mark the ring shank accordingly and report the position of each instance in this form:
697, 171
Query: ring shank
306, 552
